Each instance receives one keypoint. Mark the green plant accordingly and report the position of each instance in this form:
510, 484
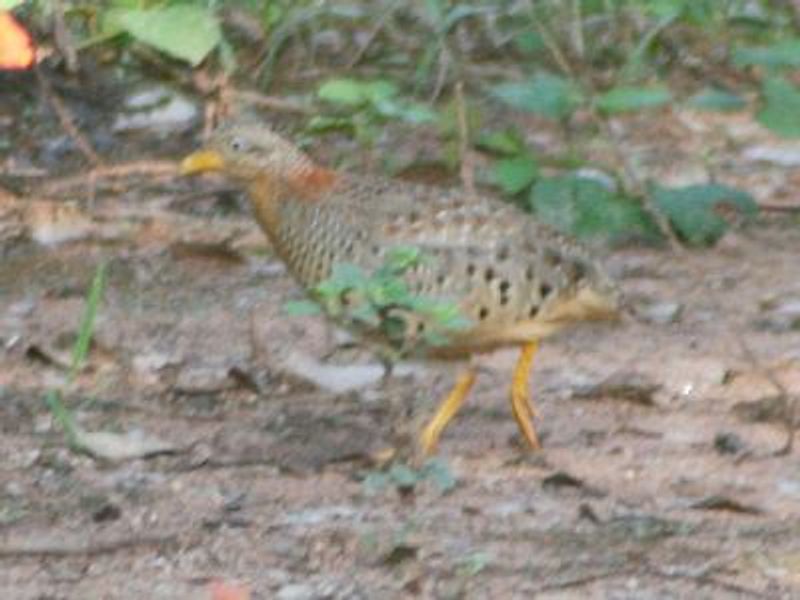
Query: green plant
80, 350
474, 563
362, 106
382, 301
402, 476
588, 209
187, 31
700, 214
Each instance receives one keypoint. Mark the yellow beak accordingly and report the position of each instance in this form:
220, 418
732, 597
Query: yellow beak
202, 161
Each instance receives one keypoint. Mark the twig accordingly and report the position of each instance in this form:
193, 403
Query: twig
22, 172
257, 351
380, 23
586, 579
634, 186
65, 118
550, 43
200, 82
58, 550
63, 37
441, 71
789, 402
703, 576
577, 29
467, 171
144, 167
270, 102
778, 208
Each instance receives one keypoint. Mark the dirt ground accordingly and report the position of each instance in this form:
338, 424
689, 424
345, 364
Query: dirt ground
661, 475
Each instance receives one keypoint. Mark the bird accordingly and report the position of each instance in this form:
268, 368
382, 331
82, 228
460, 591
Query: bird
514, 279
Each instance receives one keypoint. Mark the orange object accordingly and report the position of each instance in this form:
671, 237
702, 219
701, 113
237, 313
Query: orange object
221, 590
17, 50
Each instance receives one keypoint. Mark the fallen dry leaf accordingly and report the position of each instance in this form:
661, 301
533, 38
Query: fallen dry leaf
16, 46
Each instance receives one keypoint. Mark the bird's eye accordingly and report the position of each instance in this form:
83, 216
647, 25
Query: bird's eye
237, 144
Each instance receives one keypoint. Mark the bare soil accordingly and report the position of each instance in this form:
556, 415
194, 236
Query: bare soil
661, 475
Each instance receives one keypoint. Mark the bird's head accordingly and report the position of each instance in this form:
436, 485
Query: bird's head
248, 152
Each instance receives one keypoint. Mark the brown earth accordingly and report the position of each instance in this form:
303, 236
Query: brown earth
661, 475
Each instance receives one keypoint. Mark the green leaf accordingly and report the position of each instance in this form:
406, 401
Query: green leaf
529, 42
630, 98
186, 32
587, 209
404, 476
507, 142
474, 563
444, 312
347, 276
440, 473
342, 91
9, 4
379, 89
387, 292
782, 54
515, 174
412, 112
365, 314
716, 99
664, 9
350, 92
402, 258
545, 94
375, 482
695, 210
63, 416
86, 329
322, 123
781, 112
302, 308
434, 11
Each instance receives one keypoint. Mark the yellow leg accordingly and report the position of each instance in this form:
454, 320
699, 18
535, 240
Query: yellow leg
521, 404
446, 411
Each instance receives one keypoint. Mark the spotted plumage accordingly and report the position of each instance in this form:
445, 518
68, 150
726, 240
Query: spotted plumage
515, 280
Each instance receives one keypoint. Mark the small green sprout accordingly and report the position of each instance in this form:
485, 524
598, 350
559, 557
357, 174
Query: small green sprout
382, 301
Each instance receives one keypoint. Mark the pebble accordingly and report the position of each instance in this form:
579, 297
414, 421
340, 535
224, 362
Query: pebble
781, 318
662, 313
782, 156
296, 591
158, 108
199, 380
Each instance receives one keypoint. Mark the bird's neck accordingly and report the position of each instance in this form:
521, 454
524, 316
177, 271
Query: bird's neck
307, 183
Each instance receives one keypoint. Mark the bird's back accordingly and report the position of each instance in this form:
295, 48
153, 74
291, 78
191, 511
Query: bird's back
513, 278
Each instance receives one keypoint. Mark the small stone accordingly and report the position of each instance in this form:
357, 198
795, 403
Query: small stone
158, 108
22, 308
662, 313
783, 156
14, 489
789, 487
624, 385
115, 446
203, 380
781, 318
296, 591
152, 362
268, 270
